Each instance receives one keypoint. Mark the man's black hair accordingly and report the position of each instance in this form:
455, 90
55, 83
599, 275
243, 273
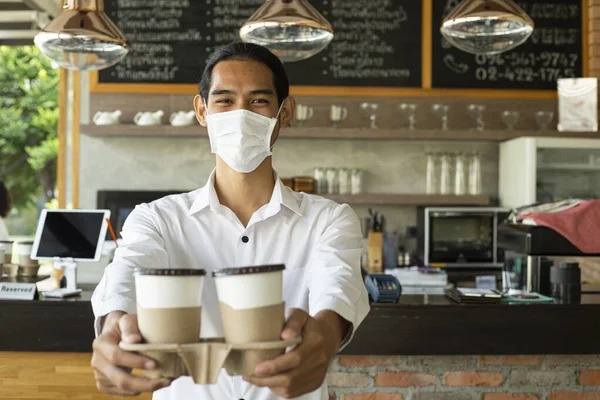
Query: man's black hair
5, 200
247, 51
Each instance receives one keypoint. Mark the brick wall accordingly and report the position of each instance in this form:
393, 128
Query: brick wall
549, 377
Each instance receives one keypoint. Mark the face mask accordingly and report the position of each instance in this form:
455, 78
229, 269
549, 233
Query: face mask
241, 138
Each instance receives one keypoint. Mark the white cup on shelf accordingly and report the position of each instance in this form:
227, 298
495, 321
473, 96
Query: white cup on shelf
338, 114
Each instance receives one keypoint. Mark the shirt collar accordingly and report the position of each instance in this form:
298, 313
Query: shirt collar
286, 196
207, 197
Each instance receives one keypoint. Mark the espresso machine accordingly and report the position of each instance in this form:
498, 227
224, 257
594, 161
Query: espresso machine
531, 248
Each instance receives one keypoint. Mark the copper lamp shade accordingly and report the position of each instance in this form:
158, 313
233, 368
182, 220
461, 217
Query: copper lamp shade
292, 29
82, 37
487, 26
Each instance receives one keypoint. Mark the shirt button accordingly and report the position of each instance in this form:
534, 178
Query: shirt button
245, 239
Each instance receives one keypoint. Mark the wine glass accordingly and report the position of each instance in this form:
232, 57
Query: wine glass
476, 111
370, 110
543, 119
409, 111
441, 111
510, 118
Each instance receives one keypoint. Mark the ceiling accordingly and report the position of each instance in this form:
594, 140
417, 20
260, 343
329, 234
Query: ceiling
21, 20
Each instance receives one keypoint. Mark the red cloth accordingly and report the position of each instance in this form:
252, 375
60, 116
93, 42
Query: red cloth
580, 225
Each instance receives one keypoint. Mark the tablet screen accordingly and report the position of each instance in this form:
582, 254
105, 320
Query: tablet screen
70, 234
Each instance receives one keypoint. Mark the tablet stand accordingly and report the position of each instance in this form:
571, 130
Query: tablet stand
70, 268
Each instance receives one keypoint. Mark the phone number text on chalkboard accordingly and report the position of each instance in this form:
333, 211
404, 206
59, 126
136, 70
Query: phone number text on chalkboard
526, 67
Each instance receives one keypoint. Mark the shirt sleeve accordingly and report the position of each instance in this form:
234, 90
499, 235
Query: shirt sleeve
143, 246
334, 277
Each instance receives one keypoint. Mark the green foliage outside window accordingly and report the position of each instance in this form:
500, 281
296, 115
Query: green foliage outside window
28, 127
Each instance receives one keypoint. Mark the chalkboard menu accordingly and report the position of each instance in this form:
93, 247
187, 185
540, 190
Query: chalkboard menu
553, 51
376, 42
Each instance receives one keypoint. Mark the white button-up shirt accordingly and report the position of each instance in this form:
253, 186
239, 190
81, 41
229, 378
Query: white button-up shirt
318, 240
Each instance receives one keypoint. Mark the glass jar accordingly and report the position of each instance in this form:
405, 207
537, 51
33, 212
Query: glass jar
459, 175
445, 174
475, 175
321, 180
344, 180
356, 181
331, 175
430, 178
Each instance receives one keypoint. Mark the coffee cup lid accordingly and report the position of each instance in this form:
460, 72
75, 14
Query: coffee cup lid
248, 270
170, 272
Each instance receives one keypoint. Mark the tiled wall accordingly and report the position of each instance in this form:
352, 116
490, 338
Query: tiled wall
164, 164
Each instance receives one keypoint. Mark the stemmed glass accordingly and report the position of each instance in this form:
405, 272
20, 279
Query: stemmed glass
409, 112
543, 119
510, 118
370, 110
441, 111
476, 111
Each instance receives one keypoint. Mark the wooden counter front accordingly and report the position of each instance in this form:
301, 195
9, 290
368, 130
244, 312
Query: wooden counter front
45, 346
42, 376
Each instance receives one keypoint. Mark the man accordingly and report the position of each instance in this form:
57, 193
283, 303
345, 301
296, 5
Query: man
244, 216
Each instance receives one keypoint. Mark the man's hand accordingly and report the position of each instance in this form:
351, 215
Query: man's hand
303, 370
112, 366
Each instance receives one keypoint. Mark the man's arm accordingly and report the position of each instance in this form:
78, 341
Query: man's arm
142, 246
114, 306
338, 303
334, 277
337, 327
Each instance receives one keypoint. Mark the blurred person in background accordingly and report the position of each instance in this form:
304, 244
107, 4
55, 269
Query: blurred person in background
5, 204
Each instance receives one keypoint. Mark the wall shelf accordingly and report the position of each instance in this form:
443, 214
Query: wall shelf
410, 199
131, 130
569, 167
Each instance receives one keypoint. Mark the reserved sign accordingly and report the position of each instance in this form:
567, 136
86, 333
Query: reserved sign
17, 291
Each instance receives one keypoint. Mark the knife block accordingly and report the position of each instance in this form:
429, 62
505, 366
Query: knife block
375, 252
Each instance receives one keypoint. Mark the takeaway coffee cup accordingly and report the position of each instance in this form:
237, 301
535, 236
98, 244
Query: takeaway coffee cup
251, 303
8, 246
169, 304
24, 249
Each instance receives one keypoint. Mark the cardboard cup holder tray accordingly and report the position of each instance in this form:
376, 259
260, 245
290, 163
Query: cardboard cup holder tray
203, 360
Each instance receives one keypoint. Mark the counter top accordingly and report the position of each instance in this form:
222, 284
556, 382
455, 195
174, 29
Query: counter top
418, 325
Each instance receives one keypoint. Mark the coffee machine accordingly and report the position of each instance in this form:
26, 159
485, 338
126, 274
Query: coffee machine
528, 250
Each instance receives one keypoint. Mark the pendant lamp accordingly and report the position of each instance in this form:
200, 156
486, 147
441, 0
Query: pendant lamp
292, 29
487, 26
82, 37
